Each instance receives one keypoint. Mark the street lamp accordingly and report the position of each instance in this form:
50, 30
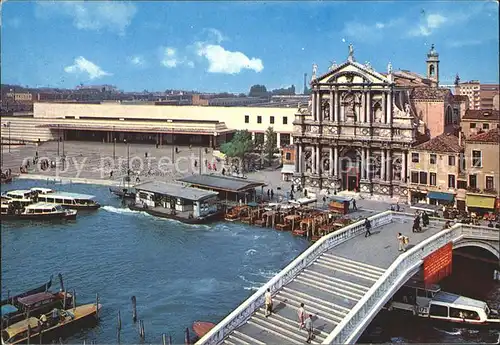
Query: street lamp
63, 155
114, 147
172, 127
58, 142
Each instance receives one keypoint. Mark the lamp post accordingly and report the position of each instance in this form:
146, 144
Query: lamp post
114, 147
172, 128
58, 143
63, 155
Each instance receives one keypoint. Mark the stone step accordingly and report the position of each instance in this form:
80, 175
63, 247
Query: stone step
315, 267
331, 314
325, 287
294, 324
334, 282
336, 266
266, 326
245, 339
357, 263
353, 267
287, 329
293, 292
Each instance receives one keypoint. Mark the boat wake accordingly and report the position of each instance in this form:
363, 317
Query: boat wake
251, 252
457, 332
118, 210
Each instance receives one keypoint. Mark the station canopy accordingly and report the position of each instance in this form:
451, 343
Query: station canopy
223, 183
175, 190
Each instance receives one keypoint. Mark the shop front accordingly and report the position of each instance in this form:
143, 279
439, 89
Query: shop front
480, 204
441, 198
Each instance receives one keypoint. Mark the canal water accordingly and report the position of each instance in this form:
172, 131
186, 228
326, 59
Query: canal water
182, 273
179, 273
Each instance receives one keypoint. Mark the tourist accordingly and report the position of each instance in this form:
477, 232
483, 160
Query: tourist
269, 194
309, 328
490, 224
397, 206
401, 241
301, 313
293, 188
269, 303
195, 163
324, 200
354, 207
55, 315
425, 219
223, 171
43, 318
368, 227
215, 167
291, 195
272, 194
111, 174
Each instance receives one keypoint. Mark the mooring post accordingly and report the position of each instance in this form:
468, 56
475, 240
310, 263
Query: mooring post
64, 300
134, 309
29, 334
61, 281
169, 339
97, 306
74, 299
164, 339
187, 340
40, 335
119, 322
141, 329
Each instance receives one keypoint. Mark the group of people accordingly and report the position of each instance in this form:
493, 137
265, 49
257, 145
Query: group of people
420, 221
305, 321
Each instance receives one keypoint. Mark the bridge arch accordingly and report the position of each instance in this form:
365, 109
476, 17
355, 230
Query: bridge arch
480, 244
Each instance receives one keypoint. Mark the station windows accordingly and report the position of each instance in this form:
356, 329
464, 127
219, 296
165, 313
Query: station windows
414, 157
486, 126
432, 158
451, 160
285, 120
489, 182
259, 119
414, 177
451, 181
423, 177
271, 120
476, 159
432, 179
247, 119
472, 125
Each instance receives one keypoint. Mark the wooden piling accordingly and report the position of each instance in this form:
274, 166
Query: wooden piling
186, 339
164, 339
29, 334
74, 299
169, 339
97, 306
134, 309
119, 321
64, 300
141, 329
61, 281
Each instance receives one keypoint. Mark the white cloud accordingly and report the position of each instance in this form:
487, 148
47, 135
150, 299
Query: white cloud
368, 32
114, 16
427, 26
137, 60
463, 43
215, 35
221, 60
82, 65
171, 59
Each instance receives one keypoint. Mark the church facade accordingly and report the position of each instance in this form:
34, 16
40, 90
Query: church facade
356, 131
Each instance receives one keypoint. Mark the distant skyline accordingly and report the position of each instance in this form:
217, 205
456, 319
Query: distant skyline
229, 46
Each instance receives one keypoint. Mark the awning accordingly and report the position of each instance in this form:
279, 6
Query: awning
441, 196
288, 169
480, 201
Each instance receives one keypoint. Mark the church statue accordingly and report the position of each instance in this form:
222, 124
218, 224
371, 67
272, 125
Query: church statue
368, 65
389, 68
407, 109
315, 70
351, 53
326, 110
333, 66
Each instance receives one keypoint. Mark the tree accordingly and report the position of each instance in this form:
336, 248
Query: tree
270, 144
258, 91
239, 147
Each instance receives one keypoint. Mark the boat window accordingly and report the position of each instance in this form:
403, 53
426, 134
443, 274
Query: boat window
430, 294
50, 199
38, 211
438, 310
59, 201
53, 209
31, 210
421, 293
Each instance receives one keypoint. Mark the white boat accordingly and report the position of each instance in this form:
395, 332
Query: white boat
42, 190
432, 303
38, 211
70, 200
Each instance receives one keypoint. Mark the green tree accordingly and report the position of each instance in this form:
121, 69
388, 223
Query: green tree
258, 91
270, 144
239, 147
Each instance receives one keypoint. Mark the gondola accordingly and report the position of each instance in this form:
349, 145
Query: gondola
42, 288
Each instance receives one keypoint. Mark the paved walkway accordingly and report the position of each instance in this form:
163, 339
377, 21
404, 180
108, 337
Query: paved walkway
330, 287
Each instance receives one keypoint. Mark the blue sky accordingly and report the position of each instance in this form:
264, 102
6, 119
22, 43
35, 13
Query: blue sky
229, 46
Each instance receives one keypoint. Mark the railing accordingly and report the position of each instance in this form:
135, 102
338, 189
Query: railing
248, 307
349, 329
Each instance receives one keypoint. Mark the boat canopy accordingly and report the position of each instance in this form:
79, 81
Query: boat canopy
67, 195
8, 309
457, 300
33, 299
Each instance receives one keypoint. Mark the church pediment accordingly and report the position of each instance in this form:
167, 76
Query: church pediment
352, 72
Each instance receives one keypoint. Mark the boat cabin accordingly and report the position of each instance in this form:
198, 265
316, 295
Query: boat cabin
43, 208
432, 210
171, 196
69, 199
456, 308
42, 190
414, 294
20, 195
36, 301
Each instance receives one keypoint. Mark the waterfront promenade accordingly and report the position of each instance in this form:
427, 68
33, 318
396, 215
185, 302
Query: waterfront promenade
343, 280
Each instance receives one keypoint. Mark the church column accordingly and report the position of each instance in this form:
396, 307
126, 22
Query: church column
388, 175
319, 111
318, 160
336, 160
369, 107
363, 163
368, 164
301, 158
297, 155
331, 106
403, 167
336, 108
382, 165
330, 167
313, 160
384, 106
313, 104
362, 116
389, 107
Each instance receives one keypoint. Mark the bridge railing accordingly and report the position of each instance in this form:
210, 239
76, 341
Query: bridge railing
254, 302
347, 331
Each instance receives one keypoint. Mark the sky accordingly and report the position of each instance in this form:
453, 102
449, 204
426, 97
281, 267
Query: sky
229, 46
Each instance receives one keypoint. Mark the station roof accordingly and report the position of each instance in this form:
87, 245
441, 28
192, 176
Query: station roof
176, 190
223, 183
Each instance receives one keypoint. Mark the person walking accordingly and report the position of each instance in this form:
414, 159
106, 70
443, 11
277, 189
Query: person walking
368, 227
272, 194
269, 194
293, 188
354, 207
301, 313
269, 302
401, 241
425, 219
310, 328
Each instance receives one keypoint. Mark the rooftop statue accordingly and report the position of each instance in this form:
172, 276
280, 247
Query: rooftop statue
315, 70
389, 68
351, 53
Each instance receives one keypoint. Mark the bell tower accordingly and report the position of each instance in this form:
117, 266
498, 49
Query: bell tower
433, 66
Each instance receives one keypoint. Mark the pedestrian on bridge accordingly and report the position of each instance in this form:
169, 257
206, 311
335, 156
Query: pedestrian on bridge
368, 226
301, 313
309, 328
402, 242
269, 302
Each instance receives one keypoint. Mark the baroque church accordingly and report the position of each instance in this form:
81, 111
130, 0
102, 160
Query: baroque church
356, 130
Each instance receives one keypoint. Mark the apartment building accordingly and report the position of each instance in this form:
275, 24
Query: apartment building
481, 96
477, 121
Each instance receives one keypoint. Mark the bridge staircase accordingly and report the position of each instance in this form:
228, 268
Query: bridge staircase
329, 289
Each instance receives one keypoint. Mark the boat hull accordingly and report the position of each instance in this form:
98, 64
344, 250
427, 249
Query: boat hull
38, 216
208, 219
41, 288
122, 192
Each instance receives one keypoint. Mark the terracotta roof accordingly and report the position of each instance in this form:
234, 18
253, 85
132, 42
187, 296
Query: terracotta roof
486, 114
461, 98
491, 136
426, 92
442, 143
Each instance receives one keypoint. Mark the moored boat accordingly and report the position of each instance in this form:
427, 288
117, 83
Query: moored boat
70, 200
49, 326
41, 288
201, 328
38, 211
